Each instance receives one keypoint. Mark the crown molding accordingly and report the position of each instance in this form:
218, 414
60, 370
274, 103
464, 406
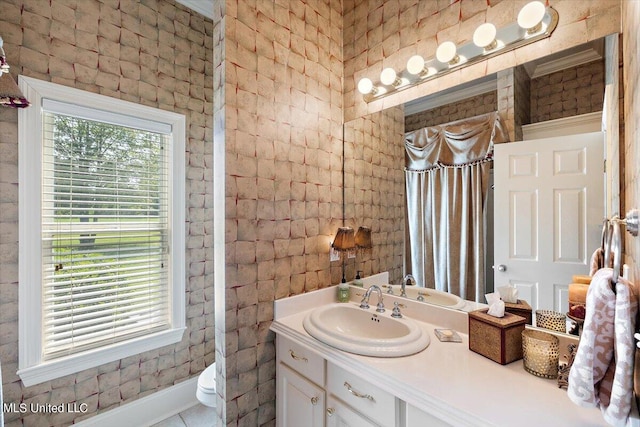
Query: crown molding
447, 97
568, 61
583, 123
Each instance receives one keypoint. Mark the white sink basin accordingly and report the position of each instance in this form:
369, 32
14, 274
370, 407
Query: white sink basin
430, 296
350, 328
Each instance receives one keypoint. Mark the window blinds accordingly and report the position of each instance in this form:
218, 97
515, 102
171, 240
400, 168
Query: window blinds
105, 232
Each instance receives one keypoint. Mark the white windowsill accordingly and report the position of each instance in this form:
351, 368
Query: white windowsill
50, 370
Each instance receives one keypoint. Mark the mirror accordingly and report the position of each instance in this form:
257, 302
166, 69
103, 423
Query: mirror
374, 180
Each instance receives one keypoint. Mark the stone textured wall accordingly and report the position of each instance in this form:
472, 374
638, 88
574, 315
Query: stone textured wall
281, 119
567, 93
522, 93
469, 107
513, 100
152, 52
631, 153
374, 190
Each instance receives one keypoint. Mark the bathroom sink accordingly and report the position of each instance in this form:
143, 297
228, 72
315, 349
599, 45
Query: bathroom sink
431, 296
350, 328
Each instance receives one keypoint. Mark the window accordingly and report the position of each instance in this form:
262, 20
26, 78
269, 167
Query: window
101, 230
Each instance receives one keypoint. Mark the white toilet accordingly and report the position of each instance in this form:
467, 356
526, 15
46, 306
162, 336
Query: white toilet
206, 392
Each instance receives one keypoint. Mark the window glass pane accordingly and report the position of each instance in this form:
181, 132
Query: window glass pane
105, 233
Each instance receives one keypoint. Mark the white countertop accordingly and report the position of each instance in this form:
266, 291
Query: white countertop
446, 379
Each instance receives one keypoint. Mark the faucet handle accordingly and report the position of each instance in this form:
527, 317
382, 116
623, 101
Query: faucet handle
364, 304
396, 311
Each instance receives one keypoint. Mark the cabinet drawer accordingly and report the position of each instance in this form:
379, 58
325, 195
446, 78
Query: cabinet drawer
361, 395
301, 359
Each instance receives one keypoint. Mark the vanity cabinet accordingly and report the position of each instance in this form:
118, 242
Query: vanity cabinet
311, 392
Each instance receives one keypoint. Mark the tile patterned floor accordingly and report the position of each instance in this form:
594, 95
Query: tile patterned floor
196, 416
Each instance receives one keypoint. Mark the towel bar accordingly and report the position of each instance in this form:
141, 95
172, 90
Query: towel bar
612, 239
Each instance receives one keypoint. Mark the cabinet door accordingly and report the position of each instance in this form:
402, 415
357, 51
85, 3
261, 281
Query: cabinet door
299, 401
341, 415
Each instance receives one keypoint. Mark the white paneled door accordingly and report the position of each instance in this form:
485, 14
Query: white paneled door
549, 208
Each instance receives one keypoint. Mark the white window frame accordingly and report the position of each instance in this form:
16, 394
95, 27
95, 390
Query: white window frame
32, 368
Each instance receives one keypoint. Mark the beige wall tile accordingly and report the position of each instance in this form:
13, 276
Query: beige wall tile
111, 48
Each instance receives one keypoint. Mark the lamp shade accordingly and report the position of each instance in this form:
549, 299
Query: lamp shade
363, 238
531, 15
365, 86
345, 239
447, 53
10, 94
485, 36
389, 77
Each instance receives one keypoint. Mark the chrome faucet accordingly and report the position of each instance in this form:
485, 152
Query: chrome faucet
365, 300
407, 279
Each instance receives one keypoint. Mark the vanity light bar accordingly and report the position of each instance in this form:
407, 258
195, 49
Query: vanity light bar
535, 22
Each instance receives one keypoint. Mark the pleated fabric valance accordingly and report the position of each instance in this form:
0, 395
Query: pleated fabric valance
456, 143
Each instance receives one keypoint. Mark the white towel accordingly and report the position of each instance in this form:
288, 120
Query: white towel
597, 378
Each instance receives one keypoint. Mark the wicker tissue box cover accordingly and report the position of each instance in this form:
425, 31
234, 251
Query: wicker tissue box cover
521, 308
497, 338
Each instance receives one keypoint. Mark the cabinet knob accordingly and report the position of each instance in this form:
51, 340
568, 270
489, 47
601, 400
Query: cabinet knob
330, 411
314, 400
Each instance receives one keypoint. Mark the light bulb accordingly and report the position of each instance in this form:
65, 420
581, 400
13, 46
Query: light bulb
365, 86
447, 53
531, 15
485, 36
388, 77
415, 65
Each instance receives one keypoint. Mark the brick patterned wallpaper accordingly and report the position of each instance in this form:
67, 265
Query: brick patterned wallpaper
281, 116
374, 190
569, 92
152, 52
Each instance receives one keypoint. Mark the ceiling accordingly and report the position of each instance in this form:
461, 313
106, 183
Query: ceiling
204, 7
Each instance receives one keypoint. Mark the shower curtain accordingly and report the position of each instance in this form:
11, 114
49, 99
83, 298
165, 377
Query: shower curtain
446, 177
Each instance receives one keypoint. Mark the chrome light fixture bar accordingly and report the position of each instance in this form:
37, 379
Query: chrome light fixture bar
534, 22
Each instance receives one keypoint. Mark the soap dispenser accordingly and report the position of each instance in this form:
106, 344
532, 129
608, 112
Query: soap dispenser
358, 280
343, 292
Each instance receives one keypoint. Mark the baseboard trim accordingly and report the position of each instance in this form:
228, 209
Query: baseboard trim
150, 409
